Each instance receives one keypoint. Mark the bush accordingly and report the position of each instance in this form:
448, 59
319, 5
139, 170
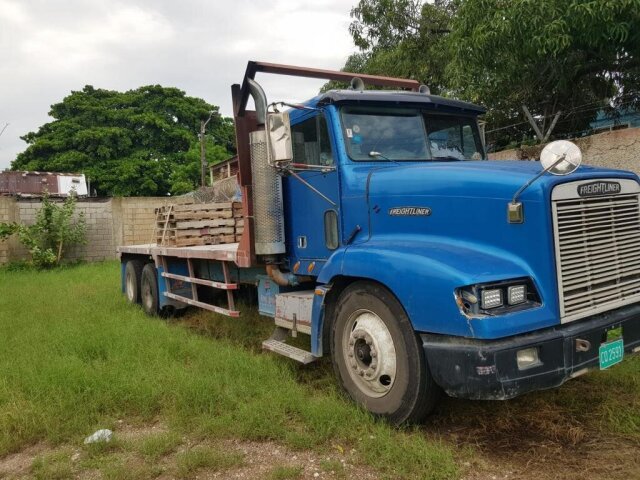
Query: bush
56, 228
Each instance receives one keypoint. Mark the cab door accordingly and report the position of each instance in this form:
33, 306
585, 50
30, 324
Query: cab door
311, 196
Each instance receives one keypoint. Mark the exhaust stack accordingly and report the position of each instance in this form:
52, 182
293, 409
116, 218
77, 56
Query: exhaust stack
267, 198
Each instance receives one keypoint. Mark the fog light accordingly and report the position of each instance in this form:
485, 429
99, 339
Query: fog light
527, 358
516, 294
491, 298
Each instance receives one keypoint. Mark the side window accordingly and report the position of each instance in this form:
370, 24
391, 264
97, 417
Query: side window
311, 145
453, 137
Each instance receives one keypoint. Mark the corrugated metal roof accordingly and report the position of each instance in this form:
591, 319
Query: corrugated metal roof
37, 183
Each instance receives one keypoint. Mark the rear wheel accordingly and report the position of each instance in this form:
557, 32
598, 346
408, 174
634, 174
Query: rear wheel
132, 276
149, 290
378, 357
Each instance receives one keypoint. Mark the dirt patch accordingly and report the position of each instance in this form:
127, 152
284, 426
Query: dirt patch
19, 463
260, 459
531, 438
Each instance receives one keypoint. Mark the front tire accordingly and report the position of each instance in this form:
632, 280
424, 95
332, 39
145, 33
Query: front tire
378, 357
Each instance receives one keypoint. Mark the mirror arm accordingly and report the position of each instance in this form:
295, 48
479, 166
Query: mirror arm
311, 187
542, 172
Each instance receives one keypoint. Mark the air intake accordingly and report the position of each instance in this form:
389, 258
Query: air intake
267, 199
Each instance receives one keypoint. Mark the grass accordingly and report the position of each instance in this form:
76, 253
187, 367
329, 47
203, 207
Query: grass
155, 447
77, 357
54, 466
285, 472
200, 457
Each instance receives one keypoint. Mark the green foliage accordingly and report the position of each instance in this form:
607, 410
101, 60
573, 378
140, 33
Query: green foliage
56, 228
139, 142
401, 38
551, 55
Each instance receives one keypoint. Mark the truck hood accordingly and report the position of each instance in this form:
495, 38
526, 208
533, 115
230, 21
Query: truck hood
474, 179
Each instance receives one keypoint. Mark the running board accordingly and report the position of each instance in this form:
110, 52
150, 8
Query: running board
289, 351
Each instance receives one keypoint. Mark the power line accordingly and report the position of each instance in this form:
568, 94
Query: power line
569, 113
4, 128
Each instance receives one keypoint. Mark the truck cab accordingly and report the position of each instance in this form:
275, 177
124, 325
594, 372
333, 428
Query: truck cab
428, 280
374, 223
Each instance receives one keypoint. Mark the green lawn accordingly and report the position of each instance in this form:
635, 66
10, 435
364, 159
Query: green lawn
76, 357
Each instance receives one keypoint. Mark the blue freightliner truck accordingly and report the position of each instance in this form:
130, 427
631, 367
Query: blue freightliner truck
375, 225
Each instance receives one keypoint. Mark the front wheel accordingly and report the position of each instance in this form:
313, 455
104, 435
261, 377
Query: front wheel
378, 357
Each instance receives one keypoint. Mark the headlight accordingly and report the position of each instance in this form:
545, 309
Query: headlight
491, 298
498, 297
516, 294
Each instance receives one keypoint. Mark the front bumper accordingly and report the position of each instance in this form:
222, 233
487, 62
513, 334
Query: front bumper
488, 369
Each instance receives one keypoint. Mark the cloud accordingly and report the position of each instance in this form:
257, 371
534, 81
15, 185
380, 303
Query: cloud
52, 48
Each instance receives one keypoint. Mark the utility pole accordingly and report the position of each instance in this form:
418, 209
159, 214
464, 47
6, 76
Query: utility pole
203, 158
542, 137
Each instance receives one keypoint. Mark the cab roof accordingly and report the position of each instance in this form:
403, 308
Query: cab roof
395, 98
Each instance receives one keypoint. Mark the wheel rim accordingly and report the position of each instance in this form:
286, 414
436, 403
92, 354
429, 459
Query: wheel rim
370, 354
147, 298
130, 287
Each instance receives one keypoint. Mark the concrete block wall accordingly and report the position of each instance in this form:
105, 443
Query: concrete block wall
110, 222
617, 149
7, 205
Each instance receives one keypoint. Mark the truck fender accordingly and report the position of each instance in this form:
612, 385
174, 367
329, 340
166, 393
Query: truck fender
423, 273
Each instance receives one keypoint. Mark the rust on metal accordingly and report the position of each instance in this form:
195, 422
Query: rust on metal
38, 183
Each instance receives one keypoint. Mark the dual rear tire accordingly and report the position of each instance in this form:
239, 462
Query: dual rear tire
141, 285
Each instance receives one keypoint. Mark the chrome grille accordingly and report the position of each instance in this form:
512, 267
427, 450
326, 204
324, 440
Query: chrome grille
597, 250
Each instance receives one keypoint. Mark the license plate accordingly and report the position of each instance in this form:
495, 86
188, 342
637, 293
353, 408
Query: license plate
611, 353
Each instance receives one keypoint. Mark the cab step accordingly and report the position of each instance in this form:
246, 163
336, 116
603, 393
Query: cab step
294, 353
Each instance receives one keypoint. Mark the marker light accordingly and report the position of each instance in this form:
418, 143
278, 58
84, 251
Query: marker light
491, 298
517, 294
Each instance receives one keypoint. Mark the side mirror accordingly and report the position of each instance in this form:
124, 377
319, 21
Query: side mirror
561, 157
279, 131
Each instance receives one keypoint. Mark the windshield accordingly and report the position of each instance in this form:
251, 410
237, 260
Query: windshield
403, 134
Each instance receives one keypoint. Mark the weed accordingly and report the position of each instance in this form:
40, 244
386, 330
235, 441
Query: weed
54, 466
206, 457
334, 467
154, 447
286, 472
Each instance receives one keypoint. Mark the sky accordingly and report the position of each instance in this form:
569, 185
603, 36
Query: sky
52, 47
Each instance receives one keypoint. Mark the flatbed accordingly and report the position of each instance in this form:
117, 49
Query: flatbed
224, 252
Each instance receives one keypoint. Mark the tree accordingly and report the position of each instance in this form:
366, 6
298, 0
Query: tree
56, 229
571, 56
138, 142
402, 38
